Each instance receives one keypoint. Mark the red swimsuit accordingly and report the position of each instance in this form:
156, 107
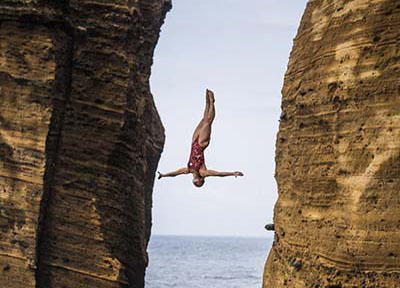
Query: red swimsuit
196, 159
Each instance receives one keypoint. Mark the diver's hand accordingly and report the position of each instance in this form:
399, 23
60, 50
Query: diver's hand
237, 173
159, 175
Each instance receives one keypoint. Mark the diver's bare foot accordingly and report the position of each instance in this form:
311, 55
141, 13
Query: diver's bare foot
210, 94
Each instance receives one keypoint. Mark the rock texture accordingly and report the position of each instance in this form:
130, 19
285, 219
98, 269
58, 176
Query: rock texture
337, 218
80, 140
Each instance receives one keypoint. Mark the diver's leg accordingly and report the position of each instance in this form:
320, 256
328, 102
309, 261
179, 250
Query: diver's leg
211, 107
205, 128
197, 130
207, 105
205, 115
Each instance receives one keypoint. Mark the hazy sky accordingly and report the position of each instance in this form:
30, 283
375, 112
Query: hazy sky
240, 50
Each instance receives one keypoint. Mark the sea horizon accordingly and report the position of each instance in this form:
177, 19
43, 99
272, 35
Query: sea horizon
206, 261
212, 236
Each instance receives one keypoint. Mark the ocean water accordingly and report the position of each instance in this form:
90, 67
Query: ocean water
206, 262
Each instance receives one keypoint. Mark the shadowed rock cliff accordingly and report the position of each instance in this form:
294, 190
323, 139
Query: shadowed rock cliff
337, 218
80, 140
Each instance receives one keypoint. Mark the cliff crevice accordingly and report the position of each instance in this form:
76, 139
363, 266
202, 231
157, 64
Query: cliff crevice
60, 100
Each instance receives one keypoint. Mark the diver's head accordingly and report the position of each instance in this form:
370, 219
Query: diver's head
198, 181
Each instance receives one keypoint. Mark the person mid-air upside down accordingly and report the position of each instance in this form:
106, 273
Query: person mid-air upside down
200, 141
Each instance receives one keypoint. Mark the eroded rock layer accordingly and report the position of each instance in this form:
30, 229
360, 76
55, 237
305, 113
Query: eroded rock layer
337, 218
80, 140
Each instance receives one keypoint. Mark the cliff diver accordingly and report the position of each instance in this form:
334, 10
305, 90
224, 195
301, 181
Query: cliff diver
200, 140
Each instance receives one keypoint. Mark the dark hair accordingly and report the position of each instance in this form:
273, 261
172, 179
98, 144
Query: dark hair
198, 184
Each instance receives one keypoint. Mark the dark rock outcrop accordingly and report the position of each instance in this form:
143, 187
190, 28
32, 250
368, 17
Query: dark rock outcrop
80, 140
337, 218
269, 227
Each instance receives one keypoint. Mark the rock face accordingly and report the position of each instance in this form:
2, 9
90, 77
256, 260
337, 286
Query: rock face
80, 140
337, 218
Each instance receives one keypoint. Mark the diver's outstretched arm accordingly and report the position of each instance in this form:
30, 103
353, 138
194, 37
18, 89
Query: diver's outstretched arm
181, 171
208, 173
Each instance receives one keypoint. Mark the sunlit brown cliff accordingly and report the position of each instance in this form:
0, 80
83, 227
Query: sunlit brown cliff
337, 218
80, 140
